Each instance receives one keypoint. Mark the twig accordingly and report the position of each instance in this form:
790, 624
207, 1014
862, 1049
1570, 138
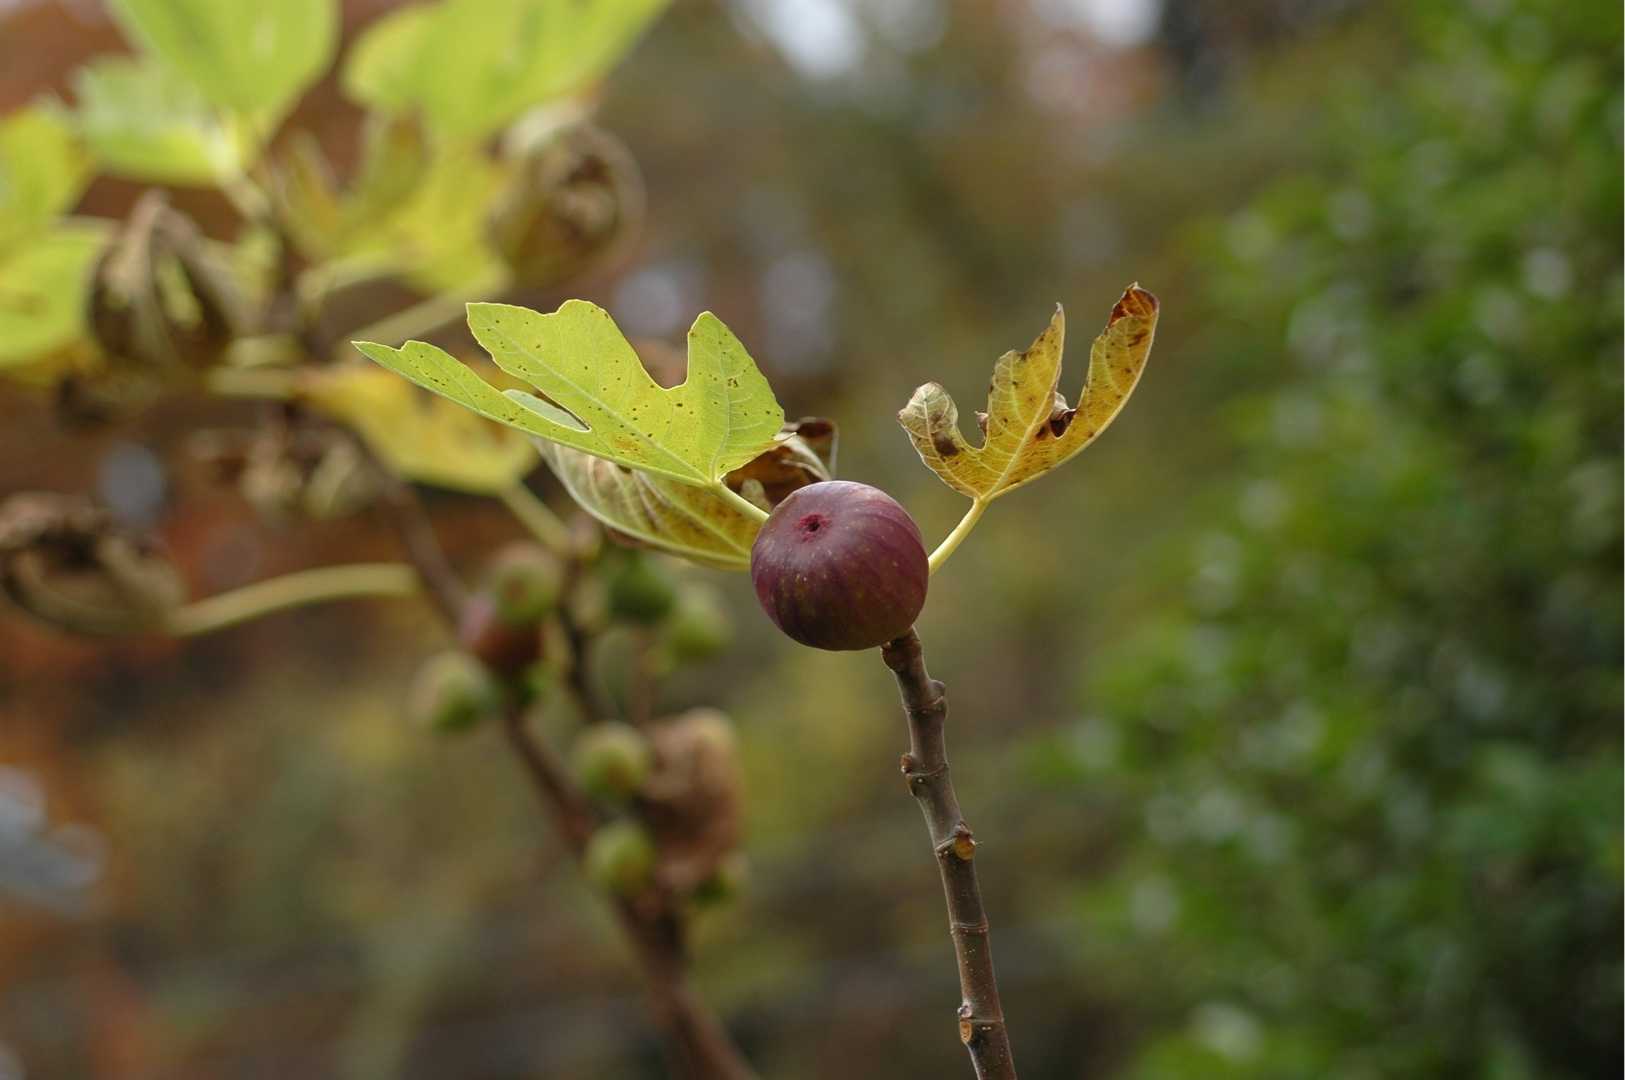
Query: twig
700, 1047
291, 591
412, 523
981, 1019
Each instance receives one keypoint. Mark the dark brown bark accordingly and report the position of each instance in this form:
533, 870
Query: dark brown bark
698, 1046
981, 1018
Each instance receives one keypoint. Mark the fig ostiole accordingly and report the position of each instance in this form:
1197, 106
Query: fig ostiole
840, 565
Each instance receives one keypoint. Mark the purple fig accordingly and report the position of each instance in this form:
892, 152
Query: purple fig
507, 649
840, 565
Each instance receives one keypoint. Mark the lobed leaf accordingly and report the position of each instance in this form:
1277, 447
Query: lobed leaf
42, 171
252, 58
511, 55
596, 396
422, 437
1028, 428
142, 121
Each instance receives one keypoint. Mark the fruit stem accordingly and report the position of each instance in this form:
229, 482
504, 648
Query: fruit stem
925, 767
744, 505
291, 591
539, 518
955, 538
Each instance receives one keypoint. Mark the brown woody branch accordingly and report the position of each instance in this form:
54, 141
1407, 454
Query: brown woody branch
698, 1045
981, 1019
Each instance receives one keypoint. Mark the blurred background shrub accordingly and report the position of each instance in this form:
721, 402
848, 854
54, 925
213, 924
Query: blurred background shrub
1290, 717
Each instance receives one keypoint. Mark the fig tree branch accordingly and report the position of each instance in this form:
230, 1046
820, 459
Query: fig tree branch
925, 765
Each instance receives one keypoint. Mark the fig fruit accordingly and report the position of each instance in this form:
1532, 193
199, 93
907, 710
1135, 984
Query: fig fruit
640, 591
526, 580
508, 649
840, 565
699, 628
612, 759
452, 692
620, 858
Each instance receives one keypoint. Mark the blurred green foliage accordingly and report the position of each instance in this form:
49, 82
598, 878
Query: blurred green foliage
1368, 764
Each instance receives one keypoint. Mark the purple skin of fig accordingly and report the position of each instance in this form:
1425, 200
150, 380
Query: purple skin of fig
840, 565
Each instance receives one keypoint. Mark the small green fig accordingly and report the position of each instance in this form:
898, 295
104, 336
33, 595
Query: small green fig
452, 692
620, 858
699, 628
640, 591
840, 565
526, 579
730, 878
612, 759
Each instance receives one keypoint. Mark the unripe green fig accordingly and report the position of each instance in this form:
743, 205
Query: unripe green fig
452, 692
612, 759
725, 883
620, 858
640, 591
505, 648
699, 628
840, 565
526, 579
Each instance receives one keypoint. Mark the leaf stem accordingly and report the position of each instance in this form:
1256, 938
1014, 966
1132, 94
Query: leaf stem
951, 542
276, 384
291, 591
538, 517
925, 766
744, 505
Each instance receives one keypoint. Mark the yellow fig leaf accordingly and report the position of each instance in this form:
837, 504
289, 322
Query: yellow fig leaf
422, 437
593, 393
1028, 428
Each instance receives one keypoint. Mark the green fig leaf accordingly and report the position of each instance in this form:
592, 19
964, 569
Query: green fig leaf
596, 396
422, 437
43, 285
42, 171
144, 122
511, 56
697, 524
330, 222
252, 58
1028, 428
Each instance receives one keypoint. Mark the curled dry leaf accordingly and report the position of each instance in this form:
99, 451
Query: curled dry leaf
692, 800
693, 522
66, 562
1028, 428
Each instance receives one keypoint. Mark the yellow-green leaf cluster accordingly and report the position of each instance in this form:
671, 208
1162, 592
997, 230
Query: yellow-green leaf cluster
42, 172
511, 55
421, 437
1028, 428
143, 121
250, 58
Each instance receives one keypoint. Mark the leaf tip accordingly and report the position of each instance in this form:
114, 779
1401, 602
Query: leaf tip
1135, 302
